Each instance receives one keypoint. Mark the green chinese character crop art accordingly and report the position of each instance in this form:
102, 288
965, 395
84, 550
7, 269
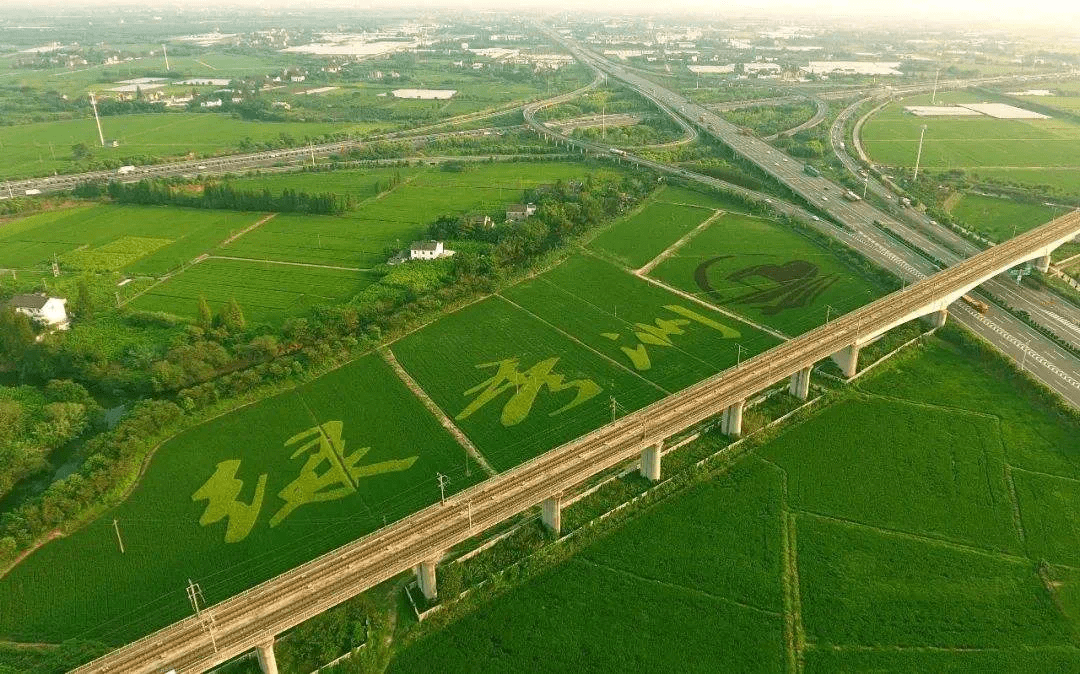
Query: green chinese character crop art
664, 329
526, 386
329, 473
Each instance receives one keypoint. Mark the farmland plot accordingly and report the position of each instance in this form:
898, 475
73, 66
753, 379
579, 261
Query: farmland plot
663, 337
267, 292
237, 500
516, 386
1001, 219
757, 268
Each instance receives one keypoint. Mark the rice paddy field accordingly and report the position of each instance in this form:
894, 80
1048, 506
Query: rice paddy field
999, 218
236, 501
1029, 152
901, 528
759, 269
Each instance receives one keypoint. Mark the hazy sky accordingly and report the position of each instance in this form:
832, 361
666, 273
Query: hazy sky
1062, 15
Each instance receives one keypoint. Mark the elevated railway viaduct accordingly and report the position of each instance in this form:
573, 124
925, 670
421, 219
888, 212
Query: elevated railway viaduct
251, 619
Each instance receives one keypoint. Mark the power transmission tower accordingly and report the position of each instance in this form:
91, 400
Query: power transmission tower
442, 486
195, 596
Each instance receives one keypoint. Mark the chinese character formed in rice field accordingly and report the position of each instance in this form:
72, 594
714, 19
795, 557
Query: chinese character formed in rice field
664, 329
221, 492
526, 387
329, 472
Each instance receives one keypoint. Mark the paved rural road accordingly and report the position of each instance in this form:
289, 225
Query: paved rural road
1054, 367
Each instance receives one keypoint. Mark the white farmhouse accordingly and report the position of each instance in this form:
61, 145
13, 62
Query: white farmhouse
428, 250
47, 311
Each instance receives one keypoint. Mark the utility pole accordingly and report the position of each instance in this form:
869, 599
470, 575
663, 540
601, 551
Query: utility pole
93, 104
166, 53
918, 155
603, 121
311, 146
738, 356
119, 540
613, 404
442, 486
866, 186
933, 97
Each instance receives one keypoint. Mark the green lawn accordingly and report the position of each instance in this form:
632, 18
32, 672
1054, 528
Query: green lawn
999, 218
668, 339
514, 385
766, 272
82, 585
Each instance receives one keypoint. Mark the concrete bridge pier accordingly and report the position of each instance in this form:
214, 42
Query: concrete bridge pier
848, 360
1043, 263
937, 319
553, 513
267, 659
731, 421
650, 462
800, 384
425, 577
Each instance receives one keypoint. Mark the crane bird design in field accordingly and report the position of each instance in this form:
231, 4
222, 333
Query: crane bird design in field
774, 287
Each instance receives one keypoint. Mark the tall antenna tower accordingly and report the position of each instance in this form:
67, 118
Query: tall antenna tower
97, 119
166, 53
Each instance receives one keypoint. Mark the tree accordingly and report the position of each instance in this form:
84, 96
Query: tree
232, 316
205, 319
80, 151
16, 334
85, 303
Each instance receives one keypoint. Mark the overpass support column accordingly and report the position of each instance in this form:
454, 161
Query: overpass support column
267, 659
848, 360
731, 422
650, 462
425, 577
800, 384
938, 318
1043, 263
553, 513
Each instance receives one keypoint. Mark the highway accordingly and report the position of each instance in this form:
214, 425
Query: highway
1057, 369
227, 629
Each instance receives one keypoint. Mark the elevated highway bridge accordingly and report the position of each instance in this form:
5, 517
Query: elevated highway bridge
251, 620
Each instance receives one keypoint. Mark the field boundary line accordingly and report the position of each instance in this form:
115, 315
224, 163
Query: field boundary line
930, 406
1014, 501
436, 411
670, 250
923, 538
293, 264
1040, 473
666, 583
583, 344
245, 230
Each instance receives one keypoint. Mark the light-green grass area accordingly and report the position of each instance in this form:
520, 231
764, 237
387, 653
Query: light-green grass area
759, 269
515, 385
1000, 218
670, 340
238, 500
44, 147
880, 534
1032, 152
116, 238
639, 237
267, 292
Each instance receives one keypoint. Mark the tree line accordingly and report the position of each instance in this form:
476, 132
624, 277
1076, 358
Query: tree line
221, 195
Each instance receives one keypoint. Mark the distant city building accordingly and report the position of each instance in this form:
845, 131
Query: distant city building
46, 311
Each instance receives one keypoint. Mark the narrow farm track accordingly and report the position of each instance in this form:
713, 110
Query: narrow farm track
436, 411
247, 229
291, 264
670, 250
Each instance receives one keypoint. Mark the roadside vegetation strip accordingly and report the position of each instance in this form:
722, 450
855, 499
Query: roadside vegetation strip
395, 446
670, 250
444, 420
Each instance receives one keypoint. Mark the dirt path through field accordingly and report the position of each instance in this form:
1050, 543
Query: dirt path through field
293, 264
670, 250
446, 422
245, 230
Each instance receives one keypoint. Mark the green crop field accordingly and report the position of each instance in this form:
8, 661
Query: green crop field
665, 338
637, 238
41, 148
881, 534
137, 240
770, 274
1001, 219
267, 292
1033, 152
514, 385
679, 589
237, 500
